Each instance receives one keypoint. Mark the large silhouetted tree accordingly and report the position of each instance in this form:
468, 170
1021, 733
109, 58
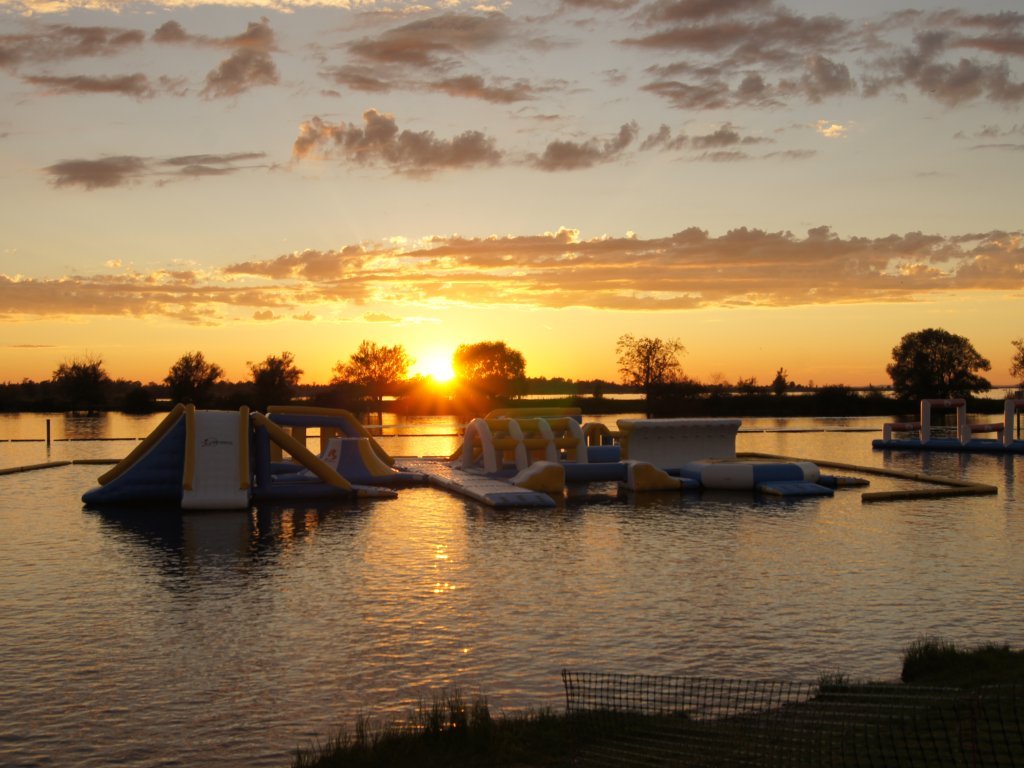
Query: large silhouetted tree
376, 368
488, 370
274, 379
936, 363
647, 362
81, 384
191, 379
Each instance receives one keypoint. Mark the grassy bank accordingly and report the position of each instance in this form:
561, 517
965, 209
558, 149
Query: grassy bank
918, 722
448, 733
934, 661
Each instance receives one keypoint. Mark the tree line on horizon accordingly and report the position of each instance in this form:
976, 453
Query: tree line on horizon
927, 363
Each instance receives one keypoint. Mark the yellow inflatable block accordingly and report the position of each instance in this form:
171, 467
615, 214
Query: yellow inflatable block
542, 476
641, 476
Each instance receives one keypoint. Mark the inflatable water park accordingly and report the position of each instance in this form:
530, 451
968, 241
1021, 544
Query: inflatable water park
924, 435
202, 459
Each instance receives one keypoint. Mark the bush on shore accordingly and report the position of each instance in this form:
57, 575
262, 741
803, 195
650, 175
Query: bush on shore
935, 661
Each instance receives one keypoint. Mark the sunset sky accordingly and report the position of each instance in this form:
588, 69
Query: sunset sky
792, 184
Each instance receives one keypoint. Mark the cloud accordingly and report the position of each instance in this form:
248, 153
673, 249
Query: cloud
213, 165
434, 42
573, 155
171, 32
249, 65
426, 54
136, 86
243, 70
312, 265
96, 174
792, 154
758, 54
779, 37
258, 36
54, 43
825, 78
601, 5
726, 135
474, 87
923, 65
379, 142
831, 130
119, 171
713, 94
360, 78
686, 270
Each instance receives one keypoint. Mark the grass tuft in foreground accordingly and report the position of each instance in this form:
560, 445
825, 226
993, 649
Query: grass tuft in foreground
935, 661
447, 732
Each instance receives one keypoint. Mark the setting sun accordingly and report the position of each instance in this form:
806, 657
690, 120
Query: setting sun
436, 366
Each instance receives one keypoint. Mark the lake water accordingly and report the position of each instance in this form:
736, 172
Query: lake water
231, 638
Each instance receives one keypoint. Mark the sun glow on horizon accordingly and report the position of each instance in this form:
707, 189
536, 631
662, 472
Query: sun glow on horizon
436, 366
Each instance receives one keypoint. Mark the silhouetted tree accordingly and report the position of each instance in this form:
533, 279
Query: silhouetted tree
191, 379
647, 362
81, 384
376, 368
779, 383
936, 363
274, 380
486, 371
1017, 367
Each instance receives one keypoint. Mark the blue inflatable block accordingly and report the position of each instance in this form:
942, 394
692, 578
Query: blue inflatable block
603, 454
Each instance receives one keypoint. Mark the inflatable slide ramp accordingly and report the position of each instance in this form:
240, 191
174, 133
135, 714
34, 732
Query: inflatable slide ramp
216, 472
193, 459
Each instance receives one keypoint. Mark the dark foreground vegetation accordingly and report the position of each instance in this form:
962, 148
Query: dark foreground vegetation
955, 707
934, 661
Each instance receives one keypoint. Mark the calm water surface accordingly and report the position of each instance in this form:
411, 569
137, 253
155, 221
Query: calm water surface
229, 639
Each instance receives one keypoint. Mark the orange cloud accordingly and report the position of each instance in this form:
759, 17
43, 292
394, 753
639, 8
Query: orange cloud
687, 270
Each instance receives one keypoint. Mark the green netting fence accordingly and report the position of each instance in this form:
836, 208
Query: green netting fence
647, 720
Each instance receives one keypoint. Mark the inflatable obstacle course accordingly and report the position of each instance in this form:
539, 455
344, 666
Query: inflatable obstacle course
233, 459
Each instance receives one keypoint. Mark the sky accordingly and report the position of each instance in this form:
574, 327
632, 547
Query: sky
773, 184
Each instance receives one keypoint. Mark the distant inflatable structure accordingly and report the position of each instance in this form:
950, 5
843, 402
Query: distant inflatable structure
922, 432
